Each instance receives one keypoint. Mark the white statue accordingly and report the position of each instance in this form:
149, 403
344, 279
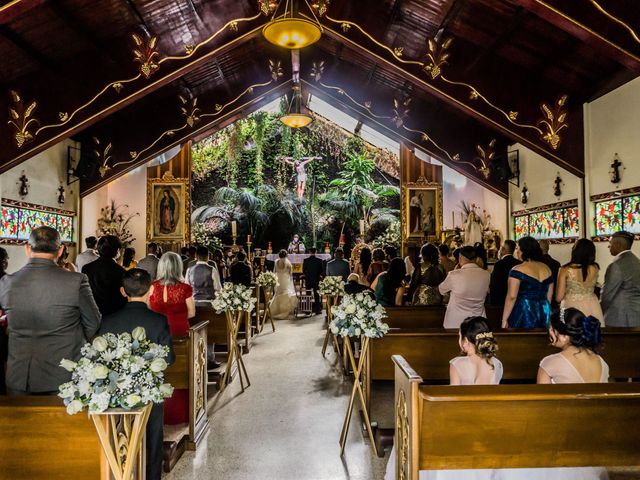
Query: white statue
473, 228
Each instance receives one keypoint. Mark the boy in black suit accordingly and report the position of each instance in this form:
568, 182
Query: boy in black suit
136, 283
312, 269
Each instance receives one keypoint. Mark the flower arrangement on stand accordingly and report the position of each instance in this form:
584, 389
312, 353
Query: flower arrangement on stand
268, 282
332, 288
117, 379
236, 301
358, 316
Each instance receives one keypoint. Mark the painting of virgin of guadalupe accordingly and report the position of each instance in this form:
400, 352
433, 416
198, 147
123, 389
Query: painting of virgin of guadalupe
167, 210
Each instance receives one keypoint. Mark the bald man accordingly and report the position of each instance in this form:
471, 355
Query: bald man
620, 296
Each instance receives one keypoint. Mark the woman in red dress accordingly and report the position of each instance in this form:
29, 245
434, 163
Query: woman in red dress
172, 297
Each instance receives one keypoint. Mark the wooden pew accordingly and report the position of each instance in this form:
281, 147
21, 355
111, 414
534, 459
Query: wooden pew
217, 332
566, 425
189, 371
39, 439
432, 317
520, 351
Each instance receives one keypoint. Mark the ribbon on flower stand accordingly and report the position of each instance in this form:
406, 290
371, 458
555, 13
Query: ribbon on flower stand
331, 300
357, 391
121, 435
234, 318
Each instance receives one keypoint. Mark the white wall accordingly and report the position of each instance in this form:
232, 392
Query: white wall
539, 175
131, 190
46, 172
457, 188
612, 125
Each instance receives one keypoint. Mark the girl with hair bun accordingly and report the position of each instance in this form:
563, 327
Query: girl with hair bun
579, 339
478, 364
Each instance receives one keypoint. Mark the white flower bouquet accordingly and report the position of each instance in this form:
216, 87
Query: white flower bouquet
359, 315
331, 286
234, 298
267, 280
116, 371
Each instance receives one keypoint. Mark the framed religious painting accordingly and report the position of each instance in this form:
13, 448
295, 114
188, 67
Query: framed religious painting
168, 209
421, 210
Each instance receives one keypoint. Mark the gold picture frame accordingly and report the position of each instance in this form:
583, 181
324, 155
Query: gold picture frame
422, 211
168, 210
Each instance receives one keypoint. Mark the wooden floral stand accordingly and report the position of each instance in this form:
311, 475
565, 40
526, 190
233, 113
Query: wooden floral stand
266, 314
234, 318
121, 435
357, 390
331, 300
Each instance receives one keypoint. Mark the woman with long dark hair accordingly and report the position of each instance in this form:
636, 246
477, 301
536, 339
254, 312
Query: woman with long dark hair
530, 289
423, 289
128, 261
389, 286
362, 267
577, 281
378, 265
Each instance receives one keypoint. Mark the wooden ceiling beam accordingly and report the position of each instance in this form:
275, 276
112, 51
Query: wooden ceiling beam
548, 11
21, 44
13, 9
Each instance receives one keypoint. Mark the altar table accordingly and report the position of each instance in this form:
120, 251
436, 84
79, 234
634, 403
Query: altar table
296, 259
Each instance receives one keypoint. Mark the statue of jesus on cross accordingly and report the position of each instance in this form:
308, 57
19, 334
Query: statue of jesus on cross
301, 172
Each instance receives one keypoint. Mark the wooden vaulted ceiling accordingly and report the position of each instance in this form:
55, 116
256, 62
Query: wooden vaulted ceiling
71, 64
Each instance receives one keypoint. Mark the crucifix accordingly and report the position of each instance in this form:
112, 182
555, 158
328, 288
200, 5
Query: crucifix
301, 172
614, 173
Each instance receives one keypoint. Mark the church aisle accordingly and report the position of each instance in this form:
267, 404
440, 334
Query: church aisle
286, 426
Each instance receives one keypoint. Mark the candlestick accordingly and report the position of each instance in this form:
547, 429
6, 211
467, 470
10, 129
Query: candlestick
234, 229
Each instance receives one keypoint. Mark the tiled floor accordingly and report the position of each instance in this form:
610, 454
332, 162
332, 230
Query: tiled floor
287, 425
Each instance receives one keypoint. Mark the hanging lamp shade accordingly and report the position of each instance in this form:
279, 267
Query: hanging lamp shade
290, 30
296, 117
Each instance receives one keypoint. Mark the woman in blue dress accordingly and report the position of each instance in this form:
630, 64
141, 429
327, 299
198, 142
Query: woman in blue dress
530, 289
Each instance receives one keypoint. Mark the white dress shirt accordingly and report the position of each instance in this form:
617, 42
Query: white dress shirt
468, 287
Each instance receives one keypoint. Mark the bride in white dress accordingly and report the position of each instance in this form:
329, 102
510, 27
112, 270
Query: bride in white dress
478, 366
284, 302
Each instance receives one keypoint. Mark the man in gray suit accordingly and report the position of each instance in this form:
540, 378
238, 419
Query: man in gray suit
620, 296
338, 267
51, 314
150, 262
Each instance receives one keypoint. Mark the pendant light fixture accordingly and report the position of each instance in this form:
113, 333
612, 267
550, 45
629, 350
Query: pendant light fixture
288, 29
296, 115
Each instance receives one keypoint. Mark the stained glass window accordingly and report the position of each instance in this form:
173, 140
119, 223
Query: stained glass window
549, 224
631, 206
608, 217
17, 223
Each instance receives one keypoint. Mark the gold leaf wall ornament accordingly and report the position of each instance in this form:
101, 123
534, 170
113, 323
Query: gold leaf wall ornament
437, 56
267, 7
400, 111
103, 155
146, 53
21, 119
190, 110
317, 69
275, 67
553, 121
320, 7
484, 157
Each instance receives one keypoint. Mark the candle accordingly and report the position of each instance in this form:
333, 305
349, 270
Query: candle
234, 229
361, 227
453, 219
248, 238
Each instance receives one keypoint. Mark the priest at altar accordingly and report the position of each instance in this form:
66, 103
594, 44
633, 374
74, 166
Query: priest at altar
296, 245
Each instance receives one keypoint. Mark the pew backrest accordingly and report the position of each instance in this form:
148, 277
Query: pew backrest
513, 426
38, 439
412, 317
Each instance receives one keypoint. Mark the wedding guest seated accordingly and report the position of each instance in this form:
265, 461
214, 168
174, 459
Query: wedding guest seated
500, 273
620, 295
128, 259
105, 276
50, 312
445, 261
89, 255
477, 365
467, 287
136, 284
150, 262
530, 288
577, 281
428, 274
62, 260
240, 271
338, 267
203, 278
378, 265
353, 285
390, 252
389, 287
362, 267
173, 298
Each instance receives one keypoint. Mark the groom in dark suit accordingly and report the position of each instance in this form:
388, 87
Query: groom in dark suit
312, 271
135, 286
